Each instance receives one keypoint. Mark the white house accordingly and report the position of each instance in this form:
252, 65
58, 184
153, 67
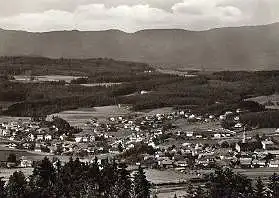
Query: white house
78, 139
92, 138
238, 125
84, 139
266, 144
24, 163
6, 132
40, 137
189, 134
38, 148
48, 137
274, 164
217, 135
31, 137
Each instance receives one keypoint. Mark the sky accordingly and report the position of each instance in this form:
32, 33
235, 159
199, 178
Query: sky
134, 15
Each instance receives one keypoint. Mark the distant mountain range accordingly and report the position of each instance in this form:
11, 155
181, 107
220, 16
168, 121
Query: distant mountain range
238, 48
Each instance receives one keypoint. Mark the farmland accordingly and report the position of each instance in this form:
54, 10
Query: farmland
81, 116
46, 78
270, 102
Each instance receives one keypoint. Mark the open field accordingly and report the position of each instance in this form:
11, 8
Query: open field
198, 126
262, 131
5, 152
13, 119
170, 191
49, 78
163, 110
107, 84
81, 116
166, 176
270, 102
264, 173
175, 72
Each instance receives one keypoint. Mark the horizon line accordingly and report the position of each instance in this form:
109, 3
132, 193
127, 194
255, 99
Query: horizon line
147, 29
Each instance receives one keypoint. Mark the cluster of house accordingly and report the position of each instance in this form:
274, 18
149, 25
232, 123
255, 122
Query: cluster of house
148, 129
151, 130
252, 153
31, 136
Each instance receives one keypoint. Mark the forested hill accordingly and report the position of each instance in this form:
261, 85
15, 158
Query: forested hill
241, 48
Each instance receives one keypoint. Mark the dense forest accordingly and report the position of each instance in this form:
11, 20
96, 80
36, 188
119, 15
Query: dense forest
203, 92
108, 179
224, 183
76, 179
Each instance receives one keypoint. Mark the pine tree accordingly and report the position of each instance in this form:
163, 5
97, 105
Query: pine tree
66, 181
3, 192
142, 185
199, 193
109, 178
17, 186
120, 147
260, 189
225, 183
124, 183
58, 183
94, 178
46, 172
43, 179
190, 190
273, 186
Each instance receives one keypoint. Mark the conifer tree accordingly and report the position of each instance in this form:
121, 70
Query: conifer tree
124, 183
3, 192
225, 183
45, 170
199, 193
259, 189
141, 184
17, 186
120, 147
58, 183
43, 179
66, 180
273, 186
94, 179
109, 178
190, 190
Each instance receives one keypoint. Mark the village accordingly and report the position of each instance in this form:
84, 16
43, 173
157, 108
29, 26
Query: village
158, 141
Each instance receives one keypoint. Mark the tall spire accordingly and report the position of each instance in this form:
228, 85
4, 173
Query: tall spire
244, 136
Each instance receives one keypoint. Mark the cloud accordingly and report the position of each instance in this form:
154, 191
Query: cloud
130, 16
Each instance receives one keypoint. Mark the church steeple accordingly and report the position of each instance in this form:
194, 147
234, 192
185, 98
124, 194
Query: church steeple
244, 136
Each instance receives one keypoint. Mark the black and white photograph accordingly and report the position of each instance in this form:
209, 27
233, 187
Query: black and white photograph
139, 98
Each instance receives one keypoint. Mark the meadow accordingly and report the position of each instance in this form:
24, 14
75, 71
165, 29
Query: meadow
79, 117
46, 78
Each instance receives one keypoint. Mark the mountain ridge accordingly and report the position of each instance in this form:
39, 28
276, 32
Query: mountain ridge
151, 29
229, 48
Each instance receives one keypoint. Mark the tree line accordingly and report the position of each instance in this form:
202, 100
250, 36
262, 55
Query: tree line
76, 179
224, 183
